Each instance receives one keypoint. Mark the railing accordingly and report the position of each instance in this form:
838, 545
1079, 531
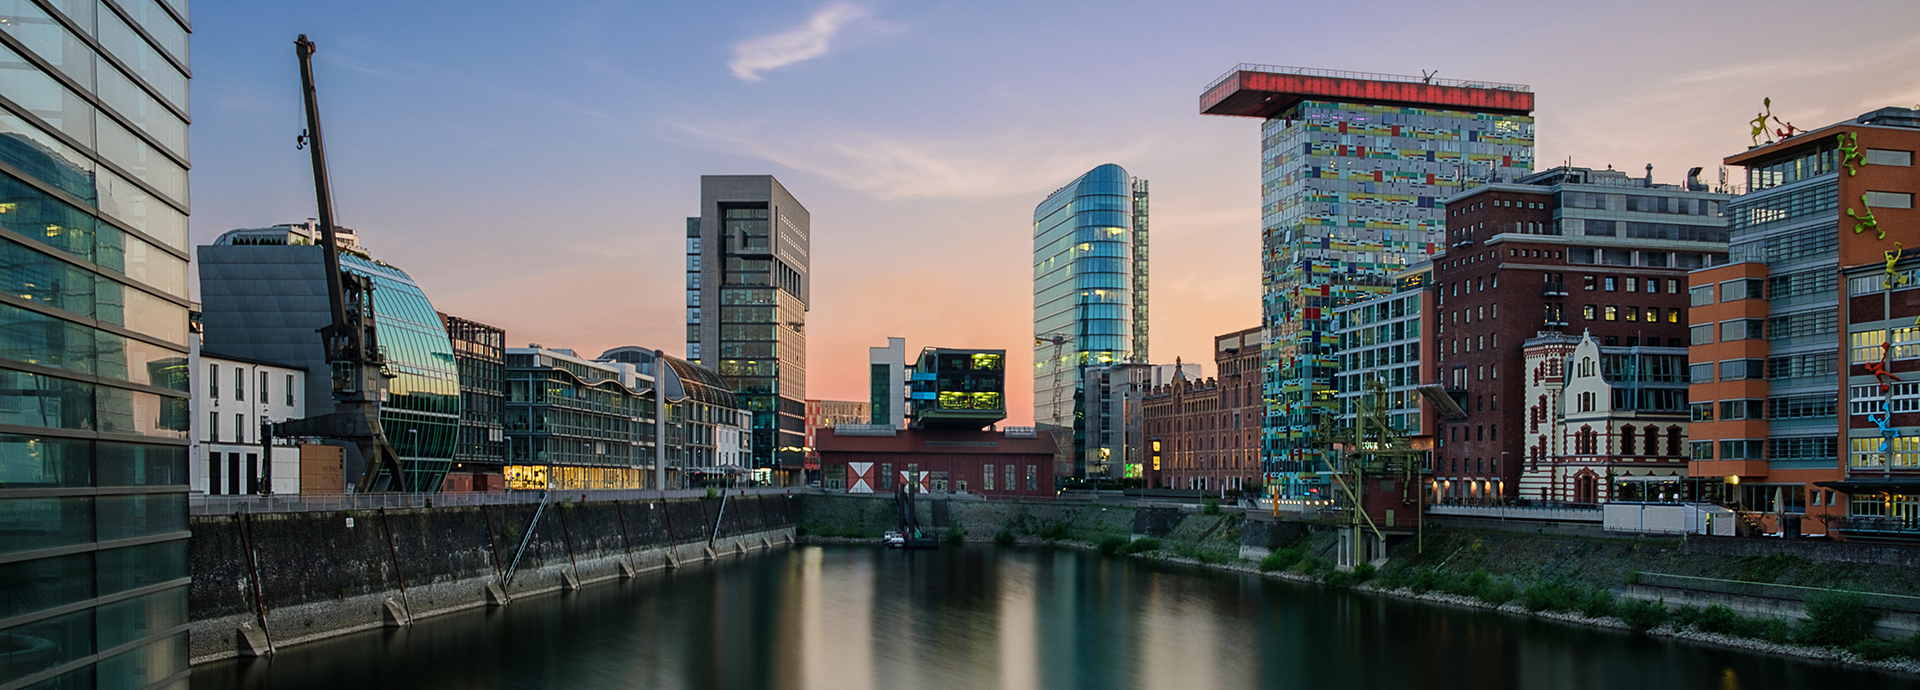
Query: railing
1554, 513
1887, 526
1373, 76
1554, 289
200, 504
1879, 600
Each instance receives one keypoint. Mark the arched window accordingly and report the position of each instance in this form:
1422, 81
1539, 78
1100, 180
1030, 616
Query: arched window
1583, 443
1653, 441
1673, 440
1627, 434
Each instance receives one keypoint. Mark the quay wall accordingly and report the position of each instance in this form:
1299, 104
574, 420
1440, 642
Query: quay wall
269, 580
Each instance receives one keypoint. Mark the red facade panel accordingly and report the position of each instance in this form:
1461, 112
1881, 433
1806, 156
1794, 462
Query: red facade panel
1265, 94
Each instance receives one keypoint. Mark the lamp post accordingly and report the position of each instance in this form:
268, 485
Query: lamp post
266, 455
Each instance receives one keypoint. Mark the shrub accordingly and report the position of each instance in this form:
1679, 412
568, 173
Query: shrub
1599, 604
1360, 573
955, 535
1209, 506
1720, 619
1055, 531
1874, 649
712, 492
1140, 546
1282, 559
800, 530
1004, 537
1498, 592
1111, 545
1837, 619
1641, 615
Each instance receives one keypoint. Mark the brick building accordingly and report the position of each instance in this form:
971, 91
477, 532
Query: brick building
1825, 211
1204, 434
869, 458
1567, 251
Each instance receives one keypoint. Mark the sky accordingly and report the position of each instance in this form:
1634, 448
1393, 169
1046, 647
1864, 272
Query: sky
532, 164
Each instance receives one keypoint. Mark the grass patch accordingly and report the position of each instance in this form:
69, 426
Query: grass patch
1282, 559
1767, 569
1209, 506
1352, 578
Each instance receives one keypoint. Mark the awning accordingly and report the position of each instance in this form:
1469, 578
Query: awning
1893, 485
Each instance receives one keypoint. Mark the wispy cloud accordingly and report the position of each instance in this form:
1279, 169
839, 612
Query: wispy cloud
895, 167
811, 40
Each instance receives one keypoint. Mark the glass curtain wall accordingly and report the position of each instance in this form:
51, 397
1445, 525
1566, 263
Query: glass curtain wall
1083, 302
93, 333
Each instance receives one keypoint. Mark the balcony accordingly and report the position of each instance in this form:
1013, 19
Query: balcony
1879, 527
1554, 289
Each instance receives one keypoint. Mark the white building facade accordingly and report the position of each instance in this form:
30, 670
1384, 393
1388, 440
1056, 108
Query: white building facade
1582, 445
232, 399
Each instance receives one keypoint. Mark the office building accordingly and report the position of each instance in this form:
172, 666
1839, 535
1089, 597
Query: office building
1111, 449
822, 414
887, 379
709, 433
264, 297
480, 355
575, 423
1089, 296
959, 388
232, 399
1548, 260
1823, 211
1356, 169
1203, 434
93, 465
747, 293
1381, 351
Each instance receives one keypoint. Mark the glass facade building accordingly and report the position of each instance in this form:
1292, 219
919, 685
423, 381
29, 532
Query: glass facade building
1354, 171
479, 353
1089, 295
93, 344
747, 292
263, 297
577, 423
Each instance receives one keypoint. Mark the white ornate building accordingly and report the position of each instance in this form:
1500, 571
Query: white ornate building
1603, 423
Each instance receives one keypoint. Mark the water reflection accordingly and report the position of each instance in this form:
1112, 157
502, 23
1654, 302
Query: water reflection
861, 618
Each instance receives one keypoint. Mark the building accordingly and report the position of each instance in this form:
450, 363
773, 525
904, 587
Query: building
232, 398
1356, 171
1575, 251
887, 379
1610, 427
480, 356
1089, 295
873, 458
93, 467
1382, 343
264, 297
1112, 449
709, 435
826, 414
747, 293
575, 423
1824, 211
1204, 434
959, 388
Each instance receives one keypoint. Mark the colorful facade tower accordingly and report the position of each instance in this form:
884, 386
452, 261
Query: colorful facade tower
1089, 296
1354, 170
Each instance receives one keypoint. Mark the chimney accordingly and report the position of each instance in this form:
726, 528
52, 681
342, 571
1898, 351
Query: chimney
1649, 174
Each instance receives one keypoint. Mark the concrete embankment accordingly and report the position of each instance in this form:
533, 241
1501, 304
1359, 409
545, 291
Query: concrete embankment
1217, 536
279, 579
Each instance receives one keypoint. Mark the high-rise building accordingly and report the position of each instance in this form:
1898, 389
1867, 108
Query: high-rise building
93, 464
1551, 261
1804, 345
747, 292
1355, 171
264, 297
1089, 296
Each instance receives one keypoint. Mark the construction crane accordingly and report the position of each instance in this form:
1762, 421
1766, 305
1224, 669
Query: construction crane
352, 345
1059, 430
1372, 450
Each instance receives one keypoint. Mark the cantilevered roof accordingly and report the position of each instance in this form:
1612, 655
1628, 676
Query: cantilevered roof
1266, 90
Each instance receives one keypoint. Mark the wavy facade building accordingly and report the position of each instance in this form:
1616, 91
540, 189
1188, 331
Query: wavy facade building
1089, 299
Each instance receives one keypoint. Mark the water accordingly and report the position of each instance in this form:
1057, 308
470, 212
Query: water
982, 617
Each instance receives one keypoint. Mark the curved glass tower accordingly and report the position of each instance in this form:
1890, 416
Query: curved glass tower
1089, 293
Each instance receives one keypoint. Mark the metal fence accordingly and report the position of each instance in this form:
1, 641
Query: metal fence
1554, 513
199, 504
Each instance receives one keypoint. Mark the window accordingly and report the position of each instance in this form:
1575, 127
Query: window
213, 427
1700, 450
1673, 314
1612, 312
239, 383
289, 390
1612, 283
1803, 448
1632, 283
1588, 311
1890, 157
1889, 199
1744, 288
1742, 409
1745, 449
986, 477
239, 428
1806, 324
1802, 406
1673, 286
1740, 329
1738, 369
1701, 295
1701, 372
1700, 411
213, 381
1033, 478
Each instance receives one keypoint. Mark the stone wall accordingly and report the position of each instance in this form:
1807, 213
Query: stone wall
278, 579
